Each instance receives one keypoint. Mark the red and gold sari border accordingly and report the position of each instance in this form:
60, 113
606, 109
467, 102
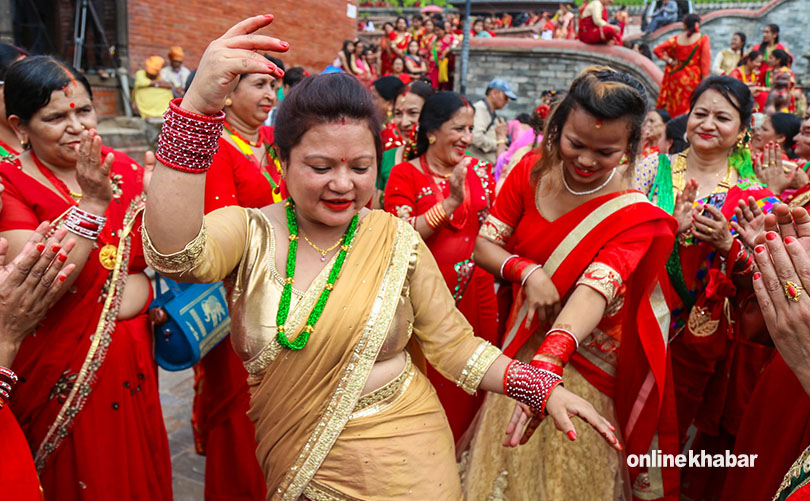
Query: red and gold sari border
356, 371
587, 225
495, 230
101, 339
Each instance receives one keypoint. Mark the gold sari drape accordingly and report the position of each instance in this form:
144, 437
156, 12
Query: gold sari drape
316, 436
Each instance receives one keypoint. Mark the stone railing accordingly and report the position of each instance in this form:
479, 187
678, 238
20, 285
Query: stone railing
532, 66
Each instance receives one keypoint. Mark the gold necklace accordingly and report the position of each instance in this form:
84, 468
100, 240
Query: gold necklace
75, 196
323, 252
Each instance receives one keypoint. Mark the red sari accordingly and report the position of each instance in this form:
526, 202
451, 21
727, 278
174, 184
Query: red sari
692, 63
590, 33
18, 476
222, 431
400, 41
767, 78
409, 193
617, 242
391, 137
95, 372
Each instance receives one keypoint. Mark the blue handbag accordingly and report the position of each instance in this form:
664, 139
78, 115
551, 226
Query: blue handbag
198, 320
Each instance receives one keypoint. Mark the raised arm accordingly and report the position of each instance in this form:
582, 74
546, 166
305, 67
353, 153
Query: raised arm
174, 209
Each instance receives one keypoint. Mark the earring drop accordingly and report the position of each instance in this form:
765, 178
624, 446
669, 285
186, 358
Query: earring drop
228, 101
431, 139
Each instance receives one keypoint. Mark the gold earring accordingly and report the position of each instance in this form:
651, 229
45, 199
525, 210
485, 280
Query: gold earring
25, 145
228, 101
431, 139
740, 140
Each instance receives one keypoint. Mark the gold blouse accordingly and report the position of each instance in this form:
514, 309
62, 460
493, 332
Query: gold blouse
238, 245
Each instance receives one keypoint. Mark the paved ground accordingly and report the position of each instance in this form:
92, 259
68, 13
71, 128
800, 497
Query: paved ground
176, 392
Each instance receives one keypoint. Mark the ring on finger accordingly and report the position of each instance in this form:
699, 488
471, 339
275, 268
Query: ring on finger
793, 291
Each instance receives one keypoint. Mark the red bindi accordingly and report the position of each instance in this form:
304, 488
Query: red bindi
72, 105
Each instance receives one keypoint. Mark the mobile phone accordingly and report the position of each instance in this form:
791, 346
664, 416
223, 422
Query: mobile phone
717, 200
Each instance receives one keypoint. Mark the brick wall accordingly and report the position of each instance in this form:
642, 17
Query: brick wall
315, 29
792, 16
532, 66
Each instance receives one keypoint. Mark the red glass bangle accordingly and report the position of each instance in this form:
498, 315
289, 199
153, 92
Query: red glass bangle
514, 268
558, 344
188, 141
542, 364
530, 385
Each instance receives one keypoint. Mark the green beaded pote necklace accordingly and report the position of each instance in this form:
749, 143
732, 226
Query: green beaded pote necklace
286, 294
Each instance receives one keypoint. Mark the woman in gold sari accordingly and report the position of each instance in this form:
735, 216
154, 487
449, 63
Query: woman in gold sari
333, 341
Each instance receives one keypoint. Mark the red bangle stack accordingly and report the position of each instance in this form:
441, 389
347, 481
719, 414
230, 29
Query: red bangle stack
529, 385
188, 141
559, 344
514, 267
7, 382
84, 224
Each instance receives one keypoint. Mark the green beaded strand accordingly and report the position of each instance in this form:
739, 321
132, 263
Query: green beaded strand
286, 294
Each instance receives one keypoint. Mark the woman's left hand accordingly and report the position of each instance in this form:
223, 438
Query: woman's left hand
562, 405
712, 228
750, 221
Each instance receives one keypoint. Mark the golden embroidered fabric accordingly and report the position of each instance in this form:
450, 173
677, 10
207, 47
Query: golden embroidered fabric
317, 492
604, 280
377, 400
801, 467
477, 366
178, 262
495, 230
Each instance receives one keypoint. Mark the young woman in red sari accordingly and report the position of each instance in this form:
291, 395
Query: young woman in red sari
583, 253
8, 55
386, 54
778, 68
688, 61
400, 37
719, 343
246, 172
92, 413
438, 69
445, 194
29, 286
770, 42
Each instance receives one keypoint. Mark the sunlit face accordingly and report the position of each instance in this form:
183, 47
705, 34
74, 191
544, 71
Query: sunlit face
253, 99
589, 153
453, 137
736, 42
802, 140
388, 28
413, 47
402, 24
398, 66
350, 47
772, 61
331, 173
755, 63
489, 23
448, 27
653, 127
478, 27
767, 34
406, 112
713, 123
54, 130
429, 26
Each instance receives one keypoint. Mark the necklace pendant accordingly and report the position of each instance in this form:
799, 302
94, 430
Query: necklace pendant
323, 258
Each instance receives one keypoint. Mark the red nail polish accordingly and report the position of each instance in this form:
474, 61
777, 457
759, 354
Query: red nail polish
759, 249
771, 235
56, 248
62, 257
572, 435
268, 16
40, 247
62, 278
789, 240
757, 275
619, 446
284, 45
612, 428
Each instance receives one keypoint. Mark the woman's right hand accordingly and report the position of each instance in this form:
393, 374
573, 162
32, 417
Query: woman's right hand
93, 174
542, 297
769, 168
750, 221
684, 203
457, 182
228, 57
